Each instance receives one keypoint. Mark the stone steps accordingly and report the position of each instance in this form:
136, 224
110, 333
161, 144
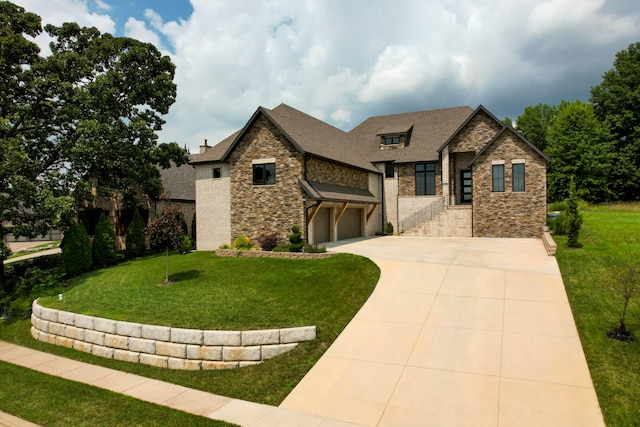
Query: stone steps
454, 221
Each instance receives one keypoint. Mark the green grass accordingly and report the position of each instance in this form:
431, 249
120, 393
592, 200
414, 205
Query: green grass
52, 401
608, 237
222, 293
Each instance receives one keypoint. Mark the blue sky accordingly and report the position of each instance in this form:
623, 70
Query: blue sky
345, 60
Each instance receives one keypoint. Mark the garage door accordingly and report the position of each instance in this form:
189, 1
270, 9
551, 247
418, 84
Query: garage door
321, 226
350, 224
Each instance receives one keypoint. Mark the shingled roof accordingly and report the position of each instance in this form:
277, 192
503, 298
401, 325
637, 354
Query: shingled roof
430, 130
179, 182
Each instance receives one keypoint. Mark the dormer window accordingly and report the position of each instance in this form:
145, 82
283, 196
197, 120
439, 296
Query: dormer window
395, 137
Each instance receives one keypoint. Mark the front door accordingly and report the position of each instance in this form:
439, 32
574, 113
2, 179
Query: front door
466, 189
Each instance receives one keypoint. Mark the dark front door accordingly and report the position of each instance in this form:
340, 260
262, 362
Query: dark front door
466, 188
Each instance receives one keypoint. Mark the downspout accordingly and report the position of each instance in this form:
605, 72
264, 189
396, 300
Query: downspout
383, 198
397, 172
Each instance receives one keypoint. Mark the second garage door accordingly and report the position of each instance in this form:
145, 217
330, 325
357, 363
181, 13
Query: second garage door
350, 224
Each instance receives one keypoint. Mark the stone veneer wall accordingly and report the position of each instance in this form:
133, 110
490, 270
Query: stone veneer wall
509, 214
331, 173
480, 130
161, 346
258, 209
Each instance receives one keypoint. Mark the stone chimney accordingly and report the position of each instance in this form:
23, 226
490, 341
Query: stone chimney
204, 148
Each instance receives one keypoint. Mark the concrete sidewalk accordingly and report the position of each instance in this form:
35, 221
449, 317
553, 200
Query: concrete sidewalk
458, 332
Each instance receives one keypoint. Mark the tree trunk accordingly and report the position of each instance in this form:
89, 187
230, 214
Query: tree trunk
166, 266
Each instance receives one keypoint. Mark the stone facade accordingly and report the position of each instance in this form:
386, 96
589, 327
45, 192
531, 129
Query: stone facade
258, 209
163, 346
508, 213
480, 130
331, 173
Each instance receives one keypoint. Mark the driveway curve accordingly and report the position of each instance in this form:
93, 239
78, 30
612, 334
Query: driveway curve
459, 331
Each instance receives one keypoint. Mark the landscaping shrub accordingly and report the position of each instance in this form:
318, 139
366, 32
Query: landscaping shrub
574, 219
388, 229
268, 241
76, 250
103, 247
186, 246
314, 249
284, 247
295, 239
242, 243
135, 241
559, 225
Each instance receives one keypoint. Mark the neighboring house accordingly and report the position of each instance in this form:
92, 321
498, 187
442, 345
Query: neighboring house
449, 172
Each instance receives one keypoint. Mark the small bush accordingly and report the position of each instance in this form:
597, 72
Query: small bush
76, 250
242, 243
268, 241
225, 246
135, 241
559, 225
186, 245
104, 242
281, 248
314, 249
295, 239
388, 229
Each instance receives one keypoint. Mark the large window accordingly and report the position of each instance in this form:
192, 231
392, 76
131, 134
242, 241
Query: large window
497, 178
517, 176
425, 179
264, 174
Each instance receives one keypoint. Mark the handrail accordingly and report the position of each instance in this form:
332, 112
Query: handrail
423, 215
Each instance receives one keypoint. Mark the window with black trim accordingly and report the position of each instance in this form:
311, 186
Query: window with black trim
389, 170
497, 178
217, 173
517, 176
264, 174
392, 140
425, 179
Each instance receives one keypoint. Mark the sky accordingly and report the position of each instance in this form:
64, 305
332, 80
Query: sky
342, 61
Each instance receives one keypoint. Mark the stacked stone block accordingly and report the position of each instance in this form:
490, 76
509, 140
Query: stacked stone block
163, 346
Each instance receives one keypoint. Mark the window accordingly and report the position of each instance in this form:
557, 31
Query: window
216, 173
425, 179
264, 174
517, 175
392, 140
497, 178
389, 170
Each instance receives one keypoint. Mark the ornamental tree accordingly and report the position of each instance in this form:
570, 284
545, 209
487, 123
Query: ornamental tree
103, 247
135, 240
76, 249
165, 233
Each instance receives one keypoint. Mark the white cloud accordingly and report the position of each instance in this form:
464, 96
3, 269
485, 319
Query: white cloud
344, 61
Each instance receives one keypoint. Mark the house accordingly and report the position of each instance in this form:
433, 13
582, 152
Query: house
447, 172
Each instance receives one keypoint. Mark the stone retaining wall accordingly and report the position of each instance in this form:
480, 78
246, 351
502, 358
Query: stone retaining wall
270, 254
162, 346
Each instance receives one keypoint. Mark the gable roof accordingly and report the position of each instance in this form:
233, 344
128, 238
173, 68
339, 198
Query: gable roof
505, 127
307, 134
429, 130
179, 182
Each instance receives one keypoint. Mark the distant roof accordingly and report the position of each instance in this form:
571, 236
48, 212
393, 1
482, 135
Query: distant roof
179, 182
430, 130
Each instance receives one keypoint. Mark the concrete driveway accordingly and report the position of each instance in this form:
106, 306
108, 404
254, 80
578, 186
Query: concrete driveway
457, 332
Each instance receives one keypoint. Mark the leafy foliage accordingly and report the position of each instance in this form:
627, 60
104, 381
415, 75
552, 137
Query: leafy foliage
268, 241
135, 241
314, 249
103, 247
76, 250
165, 233
296, 243
242, 243
616, 103
574, 219
84, 116
579, 149
534, 123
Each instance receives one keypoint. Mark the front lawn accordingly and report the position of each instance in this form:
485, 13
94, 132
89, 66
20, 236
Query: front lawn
47, 400
222, 293
608, 237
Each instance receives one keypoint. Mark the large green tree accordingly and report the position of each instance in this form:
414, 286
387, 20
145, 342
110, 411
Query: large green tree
616, 102
534, 123
81, 119
579, 147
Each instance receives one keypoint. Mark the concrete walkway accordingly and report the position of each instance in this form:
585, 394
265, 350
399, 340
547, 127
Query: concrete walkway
457, 332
